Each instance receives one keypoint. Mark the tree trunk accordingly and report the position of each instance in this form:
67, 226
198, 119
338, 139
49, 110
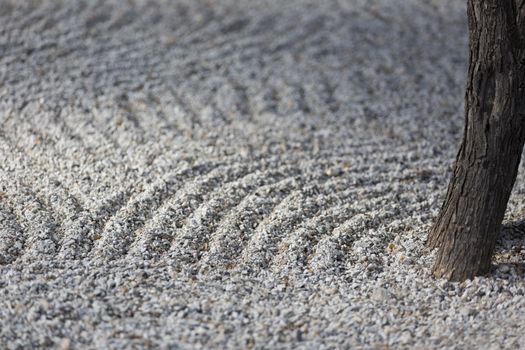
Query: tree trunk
487, 162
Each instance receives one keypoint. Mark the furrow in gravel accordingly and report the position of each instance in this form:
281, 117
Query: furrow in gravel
295, 249
119, 232
299, 207
205, 216
42, 237
195, 236
12, 236
174, 213
116, 238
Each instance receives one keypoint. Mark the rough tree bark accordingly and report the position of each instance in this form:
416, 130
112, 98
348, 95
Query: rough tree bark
487, 162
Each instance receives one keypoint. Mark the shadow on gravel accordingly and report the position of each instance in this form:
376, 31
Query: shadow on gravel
509, 257
512, 232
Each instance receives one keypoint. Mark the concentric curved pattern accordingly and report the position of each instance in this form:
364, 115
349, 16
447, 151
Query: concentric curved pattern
235, 174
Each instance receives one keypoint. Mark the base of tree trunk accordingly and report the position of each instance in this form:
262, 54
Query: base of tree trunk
487, 163
466, 230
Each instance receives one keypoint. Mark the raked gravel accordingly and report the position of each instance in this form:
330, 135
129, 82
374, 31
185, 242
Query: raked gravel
224, 174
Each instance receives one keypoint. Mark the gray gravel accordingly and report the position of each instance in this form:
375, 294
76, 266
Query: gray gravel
237, 174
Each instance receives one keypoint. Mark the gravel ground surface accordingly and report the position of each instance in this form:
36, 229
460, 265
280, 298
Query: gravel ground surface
237, 174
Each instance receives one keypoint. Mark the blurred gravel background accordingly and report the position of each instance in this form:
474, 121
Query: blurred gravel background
237, 174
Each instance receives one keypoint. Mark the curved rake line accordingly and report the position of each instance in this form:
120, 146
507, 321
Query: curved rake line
218, 233
294, 251
35, 230
12, 235
238, 180
103, 217
374, 216
87, 225
286, 195
55, 217
165, 199
199, 246
341, 233
327, 213
217, 192
136, 204
294, 217
335, 199
214, 237
322, 162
